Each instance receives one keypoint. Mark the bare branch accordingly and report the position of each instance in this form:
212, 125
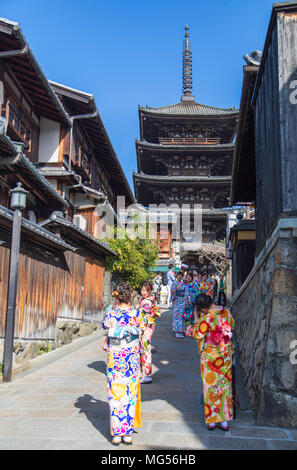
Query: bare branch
215, 255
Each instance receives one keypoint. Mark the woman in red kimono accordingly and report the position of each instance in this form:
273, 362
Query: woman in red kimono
214, 336
148, 311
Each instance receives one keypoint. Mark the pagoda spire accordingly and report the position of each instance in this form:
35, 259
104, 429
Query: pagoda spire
187, 68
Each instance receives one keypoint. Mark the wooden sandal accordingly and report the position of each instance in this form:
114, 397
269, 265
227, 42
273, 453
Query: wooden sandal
127, 440
116, 440
223, 427
211, 427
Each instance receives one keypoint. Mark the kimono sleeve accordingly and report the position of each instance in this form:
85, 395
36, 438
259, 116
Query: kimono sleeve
201, 330
173, 291
229, 318
231, 322
106, 321
143, 306
141, 324
188, 296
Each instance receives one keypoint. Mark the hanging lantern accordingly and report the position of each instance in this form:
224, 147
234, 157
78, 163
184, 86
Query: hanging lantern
18, 197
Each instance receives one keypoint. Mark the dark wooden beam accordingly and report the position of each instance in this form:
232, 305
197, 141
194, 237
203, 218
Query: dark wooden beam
12, 53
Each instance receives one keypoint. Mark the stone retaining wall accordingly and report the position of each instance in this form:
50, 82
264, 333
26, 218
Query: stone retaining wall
265, 312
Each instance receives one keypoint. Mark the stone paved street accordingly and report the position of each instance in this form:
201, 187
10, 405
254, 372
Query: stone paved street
61, 403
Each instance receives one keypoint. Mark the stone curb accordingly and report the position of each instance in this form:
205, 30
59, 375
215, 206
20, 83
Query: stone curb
37, 363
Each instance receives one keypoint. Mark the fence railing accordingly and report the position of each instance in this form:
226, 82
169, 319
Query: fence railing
189, 140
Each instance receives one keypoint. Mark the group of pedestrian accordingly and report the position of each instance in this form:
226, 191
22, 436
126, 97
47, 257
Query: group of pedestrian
198, 308
184, 290
128, 344
163, 285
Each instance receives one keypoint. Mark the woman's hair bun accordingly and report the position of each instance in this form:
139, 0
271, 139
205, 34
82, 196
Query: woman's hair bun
124, 292
203, 301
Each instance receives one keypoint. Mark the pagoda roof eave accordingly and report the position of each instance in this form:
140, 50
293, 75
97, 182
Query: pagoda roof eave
161, 179
204, 147
191, 110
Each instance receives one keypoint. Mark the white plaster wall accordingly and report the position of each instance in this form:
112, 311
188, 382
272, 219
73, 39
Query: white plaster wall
49, 141
53, 183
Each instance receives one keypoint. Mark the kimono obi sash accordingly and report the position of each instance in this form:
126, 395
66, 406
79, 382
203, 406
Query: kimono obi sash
180, 293
124, 336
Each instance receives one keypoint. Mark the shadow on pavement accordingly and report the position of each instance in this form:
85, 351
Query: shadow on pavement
97, 412
173, 403
100, 366
176, 381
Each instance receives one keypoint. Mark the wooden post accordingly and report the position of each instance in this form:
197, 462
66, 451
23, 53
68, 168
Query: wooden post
11, 296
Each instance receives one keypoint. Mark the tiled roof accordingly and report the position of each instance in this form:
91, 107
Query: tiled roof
216, 147
173, 179
190, 109
89, 239
36, 231
48, 102
213, 212
249, 224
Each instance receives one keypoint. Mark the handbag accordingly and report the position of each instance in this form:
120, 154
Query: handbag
190, 331
188, 313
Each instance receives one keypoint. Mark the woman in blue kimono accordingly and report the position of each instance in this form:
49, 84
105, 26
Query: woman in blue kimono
124, 325
190, 298
178, 299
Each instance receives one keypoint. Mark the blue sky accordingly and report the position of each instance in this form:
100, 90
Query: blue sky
129, 52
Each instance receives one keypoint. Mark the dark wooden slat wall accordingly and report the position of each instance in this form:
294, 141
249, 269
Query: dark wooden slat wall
68, 286
38, 294
267, 143
93, 294
276, 127
287, 47
70, 283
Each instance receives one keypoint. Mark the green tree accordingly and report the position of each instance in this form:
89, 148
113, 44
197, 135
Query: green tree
136, 257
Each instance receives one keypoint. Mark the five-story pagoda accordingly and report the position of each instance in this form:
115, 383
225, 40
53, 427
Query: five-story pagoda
185, 154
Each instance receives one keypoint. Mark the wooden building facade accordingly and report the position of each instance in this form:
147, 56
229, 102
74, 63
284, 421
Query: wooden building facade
57, 281
52, 139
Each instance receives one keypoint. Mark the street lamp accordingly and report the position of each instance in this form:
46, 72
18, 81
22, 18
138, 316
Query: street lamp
18, 197
18, 203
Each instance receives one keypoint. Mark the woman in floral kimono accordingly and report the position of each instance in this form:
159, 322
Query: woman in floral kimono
124, 325
148, 311
214, 336
190, 297
178, 299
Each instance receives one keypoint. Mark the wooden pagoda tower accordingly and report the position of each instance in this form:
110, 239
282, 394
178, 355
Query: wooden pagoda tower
185, 155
